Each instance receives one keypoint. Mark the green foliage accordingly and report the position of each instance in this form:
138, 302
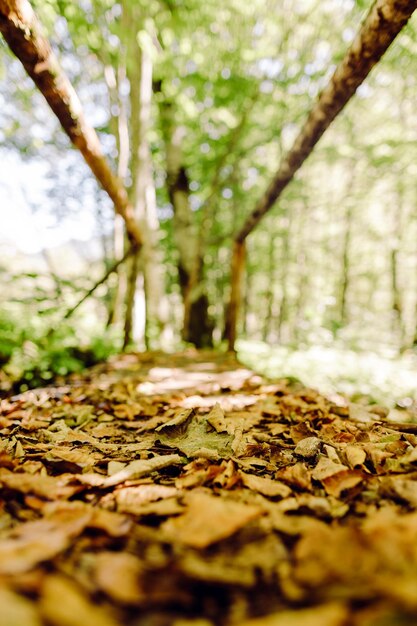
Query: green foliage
36, 344
33, 357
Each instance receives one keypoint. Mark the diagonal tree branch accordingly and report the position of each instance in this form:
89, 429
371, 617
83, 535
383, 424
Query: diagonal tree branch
100, 281
384, 21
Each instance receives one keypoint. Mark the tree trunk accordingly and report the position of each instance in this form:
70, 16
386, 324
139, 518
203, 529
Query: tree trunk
120, 129
397, 301
139, 73
197, 325
269, 305
345, 282
237, 268
130, 301
384, 21
120, 289
22, 31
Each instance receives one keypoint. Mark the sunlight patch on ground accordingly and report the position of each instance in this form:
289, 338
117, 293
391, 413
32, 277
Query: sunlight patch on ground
383, 379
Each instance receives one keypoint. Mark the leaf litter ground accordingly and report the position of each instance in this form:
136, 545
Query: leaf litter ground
184, 490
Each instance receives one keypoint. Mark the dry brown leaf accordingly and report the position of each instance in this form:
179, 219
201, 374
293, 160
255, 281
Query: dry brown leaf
15, 610
216, 419
132, 499
217, 570
112, 523
135, 469
161, 508
400, 488
35, 542
178, 424
292, 525
265, 486
118, 575
63, 603
345, 480
308, 448
333, 614
50, 487
355, 456
209, 519
79, 457
298, 476
377, 455
326, 468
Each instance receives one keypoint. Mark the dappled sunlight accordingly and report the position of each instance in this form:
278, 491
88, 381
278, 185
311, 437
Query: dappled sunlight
380, 378
235, 402
191, 373
162, 380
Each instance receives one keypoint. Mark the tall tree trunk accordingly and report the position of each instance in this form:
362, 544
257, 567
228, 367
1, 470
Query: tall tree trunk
139, 73
197, 325
397, 301
345, 277
237, 271
384, 21
22, 31
130, 300
269, 305
120, 129
282, 331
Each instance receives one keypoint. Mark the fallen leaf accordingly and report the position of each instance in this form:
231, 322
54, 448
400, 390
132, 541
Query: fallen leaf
17, 610
334, 614
297, 475
400, 488
38, 541
308, 448
343, 481
178, 424
118, 575
133, 499
196, 435
50, 487
216, 419
209, 519
137, 469
265, 486
326, 468
355, 456
63, 603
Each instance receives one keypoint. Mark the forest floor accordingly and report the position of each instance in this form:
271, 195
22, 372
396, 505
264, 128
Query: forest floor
161, 490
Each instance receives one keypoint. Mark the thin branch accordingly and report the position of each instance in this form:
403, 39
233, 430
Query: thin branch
102, 280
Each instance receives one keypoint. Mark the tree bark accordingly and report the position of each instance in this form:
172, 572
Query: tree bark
345, 278
139, 73
197, 325
23, 33
384, 21
130, 301
395, 253
238, 267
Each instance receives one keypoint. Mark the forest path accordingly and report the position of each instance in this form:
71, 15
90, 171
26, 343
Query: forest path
160, 490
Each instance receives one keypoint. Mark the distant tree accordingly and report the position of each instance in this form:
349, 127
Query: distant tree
385, 20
